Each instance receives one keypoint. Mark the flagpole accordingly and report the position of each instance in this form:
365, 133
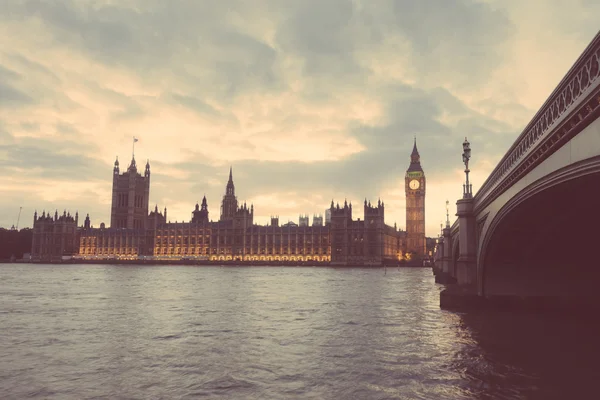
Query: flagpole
133, 148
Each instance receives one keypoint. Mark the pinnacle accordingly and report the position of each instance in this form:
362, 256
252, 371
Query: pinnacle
415, 152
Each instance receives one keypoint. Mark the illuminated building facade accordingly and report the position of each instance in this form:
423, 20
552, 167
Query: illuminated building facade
218, 241
366, 242
335, 238
235, 237
415, 205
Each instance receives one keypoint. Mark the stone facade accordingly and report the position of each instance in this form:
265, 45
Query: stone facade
225, 241
130, 197
366, 242
339, 240
54, 237
415, 185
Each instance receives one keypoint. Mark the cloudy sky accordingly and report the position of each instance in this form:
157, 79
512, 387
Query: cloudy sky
308, 100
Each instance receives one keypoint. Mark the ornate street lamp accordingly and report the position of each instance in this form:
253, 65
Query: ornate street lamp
467, 188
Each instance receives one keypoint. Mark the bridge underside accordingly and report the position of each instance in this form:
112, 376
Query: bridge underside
548, 245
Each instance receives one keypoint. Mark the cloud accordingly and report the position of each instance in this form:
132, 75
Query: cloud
307, 100
11, 97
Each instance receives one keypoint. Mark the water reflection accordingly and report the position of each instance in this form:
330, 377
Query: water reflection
530, 356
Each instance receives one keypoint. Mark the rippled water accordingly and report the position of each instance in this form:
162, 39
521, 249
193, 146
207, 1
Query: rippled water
73, 331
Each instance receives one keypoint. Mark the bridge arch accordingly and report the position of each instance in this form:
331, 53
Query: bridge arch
454, 256
542, 242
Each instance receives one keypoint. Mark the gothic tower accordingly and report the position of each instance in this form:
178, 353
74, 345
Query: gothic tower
229, 205
415, 205
130, 197
200, 213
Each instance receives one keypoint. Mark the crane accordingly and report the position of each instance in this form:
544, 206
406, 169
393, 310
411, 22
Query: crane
18, 218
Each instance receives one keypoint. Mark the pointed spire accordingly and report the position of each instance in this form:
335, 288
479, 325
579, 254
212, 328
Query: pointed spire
132, 166
415, 159
230, 188
415, 152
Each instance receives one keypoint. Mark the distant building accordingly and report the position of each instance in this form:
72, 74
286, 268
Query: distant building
54, 237
366, 242
200, 215
431, 244
130, 197
415, 205
15, 244
317, 220
135, 233
235, 237
229, 204
115, 243
303, 220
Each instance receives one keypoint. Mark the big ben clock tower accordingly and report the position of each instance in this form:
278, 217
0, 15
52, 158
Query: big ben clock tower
415, 205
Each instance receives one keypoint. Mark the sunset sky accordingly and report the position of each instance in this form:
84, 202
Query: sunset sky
308, 100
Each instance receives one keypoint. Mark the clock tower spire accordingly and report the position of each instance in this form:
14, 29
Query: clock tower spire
415, 204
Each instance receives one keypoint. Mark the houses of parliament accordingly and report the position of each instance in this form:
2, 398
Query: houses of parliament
137, 233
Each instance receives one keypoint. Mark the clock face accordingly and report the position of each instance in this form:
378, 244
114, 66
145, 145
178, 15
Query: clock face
414, 184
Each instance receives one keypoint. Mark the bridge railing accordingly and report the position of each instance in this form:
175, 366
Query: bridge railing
571, 106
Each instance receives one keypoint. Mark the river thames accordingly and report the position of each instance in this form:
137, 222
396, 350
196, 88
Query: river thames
99, 331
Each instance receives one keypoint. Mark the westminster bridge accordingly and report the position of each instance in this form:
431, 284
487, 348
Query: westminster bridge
530, 232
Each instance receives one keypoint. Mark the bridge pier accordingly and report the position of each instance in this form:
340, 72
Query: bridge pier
437, 259
445, 272
463, 295
466, 267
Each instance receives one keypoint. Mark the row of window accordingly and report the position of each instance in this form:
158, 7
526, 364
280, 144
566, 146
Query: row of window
254, 236
236, 241
123, 200
206, 251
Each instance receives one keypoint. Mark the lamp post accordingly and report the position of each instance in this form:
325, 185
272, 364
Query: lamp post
447, 214
467, 188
